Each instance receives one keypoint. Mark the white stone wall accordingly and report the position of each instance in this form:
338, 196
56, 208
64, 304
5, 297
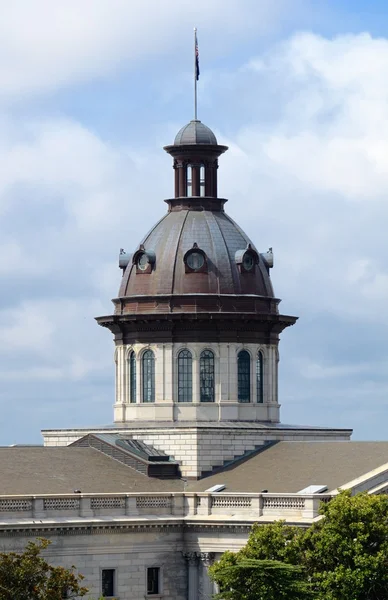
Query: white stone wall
200, 450
129, 553
225, 407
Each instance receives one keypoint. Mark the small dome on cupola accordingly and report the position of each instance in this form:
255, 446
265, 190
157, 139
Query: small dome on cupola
195, 132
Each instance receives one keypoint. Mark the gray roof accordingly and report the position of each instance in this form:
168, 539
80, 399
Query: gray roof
62, 470
195, 132
285, 467
291, 466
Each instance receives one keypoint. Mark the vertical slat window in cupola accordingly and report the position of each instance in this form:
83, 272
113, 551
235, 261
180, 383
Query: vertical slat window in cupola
185, 376
206, 372
259, 378
202, 181
148, 363
189, 180
244, 376
132, 377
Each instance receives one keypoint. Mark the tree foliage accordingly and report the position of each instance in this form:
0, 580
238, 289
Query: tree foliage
346, 552
28, 576
342, 556
253, 579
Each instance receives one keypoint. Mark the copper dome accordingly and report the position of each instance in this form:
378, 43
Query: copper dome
196, 275
196, 226
223, 281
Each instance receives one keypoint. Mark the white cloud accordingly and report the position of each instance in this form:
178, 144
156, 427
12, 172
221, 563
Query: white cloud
45, 45
315, 175
27, 328
15, 258
35, 324
334, 132
314, 370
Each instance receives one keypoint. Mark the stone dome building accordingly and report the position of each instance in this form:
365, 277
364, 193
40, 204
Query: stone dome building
196, 322
197, 452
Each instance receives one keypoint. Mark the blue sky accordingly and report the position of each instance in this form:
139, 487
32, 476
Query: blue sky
89, 94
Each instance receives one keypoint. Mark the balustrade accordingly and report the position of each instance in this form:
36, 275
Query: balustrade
188, 504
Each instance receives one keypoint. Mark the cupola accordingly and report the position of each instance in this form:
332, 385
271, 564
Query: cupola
195, 152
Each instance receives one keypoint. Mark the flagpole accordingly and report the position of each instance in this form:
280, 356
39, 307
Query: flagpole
195, 73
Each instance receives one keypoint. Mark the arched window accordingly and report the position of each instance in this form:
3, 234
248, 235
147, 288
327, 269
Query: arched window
259, 377
132, 377
148, 361
185, 376
244, 376
206, 374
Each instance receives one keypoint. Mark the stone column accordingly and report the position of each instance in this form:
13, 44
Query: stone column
139, 373
120, 383
206, 587
224, 372
208, 180
276, 378
215, 190
176, 177
160, 372
195, 179
268, 376
169, 385
192, 578
182, 179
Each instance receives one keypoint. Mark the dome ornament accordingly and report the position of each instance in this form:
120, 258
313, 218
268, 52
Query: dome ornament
247, 259
267, 259
124, 259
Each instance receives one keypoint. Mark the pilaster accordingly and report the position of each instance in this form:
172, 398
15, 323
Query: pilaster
192, 576
207, 586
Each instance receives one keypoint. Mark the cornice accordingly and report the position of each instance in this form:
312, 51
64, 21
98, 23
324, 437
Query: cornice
262, 327
41, 529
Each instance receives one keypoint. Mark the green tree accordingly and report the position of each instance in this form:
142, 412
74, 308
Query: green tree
346, 552
28, 576
342, 556
242, 578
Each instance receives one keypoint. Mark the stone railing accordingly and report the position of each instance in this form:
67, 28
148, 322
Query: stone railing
197, 505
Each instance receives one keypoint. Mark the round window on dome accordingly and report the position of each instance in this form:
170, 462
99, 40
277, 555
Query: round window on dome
248, 261
143, 261
195, 260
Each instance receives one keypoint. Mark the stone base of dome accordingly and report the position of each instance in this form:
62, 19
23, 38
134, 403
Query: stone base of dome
199, 411
202, 447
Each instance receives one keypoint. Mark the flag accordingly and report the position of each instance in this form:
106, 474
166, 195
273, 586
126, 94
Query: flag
196, 58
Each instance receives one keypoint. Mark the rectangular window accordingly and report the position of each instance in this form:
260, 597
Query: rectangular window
108, 582
153, 581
